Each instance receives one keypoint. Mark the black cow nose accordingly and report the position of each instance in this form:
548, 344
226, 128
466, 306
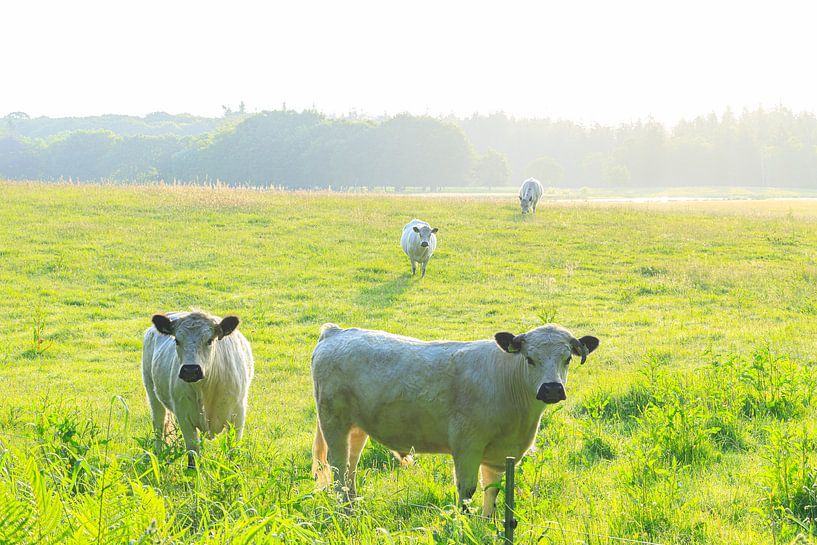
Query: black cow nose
551, 392
424, 244
191, 373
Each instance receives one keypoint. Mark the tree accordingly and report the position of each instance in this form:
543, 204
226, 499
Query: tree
616, 175
139, 158
14, 118
420, 151
307, 149
491, 169
18, 158
85, 155
642, 149
545, 169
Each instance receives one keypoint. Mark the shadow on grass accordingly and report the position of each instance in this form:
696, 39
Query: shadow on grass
385, 294
518, 217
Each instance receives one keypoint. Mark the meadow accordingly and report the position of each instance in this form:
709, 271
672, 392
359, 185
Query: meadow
694, 421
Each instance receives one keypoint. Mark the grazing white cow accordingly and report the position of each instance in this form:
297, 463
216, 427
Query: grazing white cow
418, 242
529, 194
198, 367
479, 401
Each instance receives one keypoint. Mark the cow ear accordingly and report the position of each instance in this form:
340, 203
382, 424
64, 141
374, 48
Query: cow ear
415, 229
508, 341
582, 347
163, 324
590, 342
227, 326
434, 230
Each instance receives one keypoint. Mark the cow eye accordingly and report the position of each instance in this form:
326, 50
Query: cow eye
176, 341
530, 361
210, 342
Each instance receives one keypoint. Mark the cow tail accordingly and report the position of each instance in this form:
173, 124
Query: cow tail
405, 459
320, 464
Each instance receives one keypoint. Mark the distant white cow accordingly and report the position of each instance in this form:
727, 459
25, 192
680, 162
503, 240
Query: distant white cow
418, 242
480, 401
529, 194
198, 367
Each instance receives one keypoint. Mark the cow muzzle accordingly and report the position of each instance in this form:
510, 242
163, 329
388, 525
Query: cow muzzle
551, 392
424, 244
191, 373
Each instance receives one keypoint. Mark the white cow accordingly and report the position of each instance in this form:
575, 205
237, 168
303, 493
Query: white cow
529, 194
479, 401
198, 367
418, 242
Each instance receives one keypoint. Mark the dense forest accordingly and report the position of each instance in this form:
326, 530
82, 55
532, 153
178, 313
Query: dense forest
308, 150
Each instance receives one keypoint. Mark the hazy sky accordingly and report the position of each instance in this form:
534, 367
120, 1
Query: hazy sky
606, 61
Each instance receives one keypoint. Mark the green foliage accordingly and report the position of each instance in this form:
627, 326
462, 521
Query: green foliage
547, 170
790, 478
153, 124
763, 384
38, 342
596, 443
271, 148
308, 149
622, 408
774, 386
491, 169
680, 427
757, 148
410, 151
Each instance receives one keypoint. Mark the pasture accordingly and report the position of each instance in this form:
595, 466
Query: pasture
694, 421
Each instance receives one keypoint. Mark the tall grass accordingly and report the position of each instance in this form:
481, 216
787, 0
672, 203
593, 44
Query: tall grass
694, 422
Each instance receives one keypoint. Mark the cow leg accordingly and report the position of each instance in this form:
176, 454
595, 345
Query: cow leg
158, 413
357, 440
191, 441
413, 267
214, 427
238, 421
337, 452
424, 269
466, 466
490, 476
320, 465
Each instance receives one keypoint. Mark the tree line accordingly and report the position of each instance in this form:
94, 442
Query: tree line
308, 149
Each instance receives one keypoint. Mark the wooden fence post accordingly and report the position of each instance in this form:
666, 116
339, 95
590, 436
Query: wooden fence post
510, 520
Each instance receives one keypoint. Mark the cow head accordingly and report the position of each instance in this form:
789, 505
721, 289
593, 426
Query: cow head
195, 335
425, 232
547, 352
526, 203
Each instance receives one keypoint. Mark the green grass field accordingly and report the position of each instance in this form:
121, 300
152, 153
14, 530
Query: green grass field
694, 421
